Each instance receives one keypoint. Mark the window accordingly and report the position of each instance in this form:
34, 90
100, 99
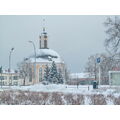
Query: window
30, 74
1, 83
15, 83
45, 43
15, 77
40, 74
1, 77
45, 36
5, 83
10, 77
5, 77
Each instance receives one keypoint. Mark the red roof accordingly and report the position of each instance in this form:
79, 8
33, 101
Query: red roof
116, 69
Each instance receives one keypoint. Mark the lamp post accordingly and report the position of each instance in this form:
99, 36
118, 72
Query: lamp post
10, 65
35, 58
98, 61
1, 75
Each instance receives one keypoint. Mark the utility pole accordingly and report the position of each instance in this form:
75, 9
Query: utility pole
10, 66
95, 71
35, 58
99, 75
1, 75
98, 61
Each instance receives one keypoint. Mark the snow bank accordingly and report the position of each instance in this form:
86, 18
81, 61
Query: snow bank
81, 89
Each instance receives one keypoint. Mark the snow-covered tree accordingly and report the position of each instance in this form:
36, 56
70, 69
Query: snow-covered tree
46, 73
24, 70
53, 78
53, 75
60, 77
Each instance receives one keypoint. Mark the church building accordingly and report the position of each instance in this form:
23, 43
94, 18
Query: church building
43, 56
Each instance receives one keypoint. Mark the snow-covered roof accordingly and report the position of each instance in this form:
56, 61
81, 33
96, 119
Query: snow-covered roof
46, 55
80, 75
7, 71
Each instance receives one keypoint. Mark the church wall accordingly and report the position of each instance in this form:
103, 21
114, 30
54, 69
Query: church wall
42, 66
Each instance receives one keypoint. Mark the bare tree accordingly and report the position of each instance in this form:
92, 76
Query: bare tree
91, 66
67, 75
112, 43
25, 70
106, 64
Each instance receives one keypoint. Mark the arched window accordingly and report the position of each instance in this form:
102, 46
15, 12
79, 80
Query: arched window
30, 74
45, 43
40, 74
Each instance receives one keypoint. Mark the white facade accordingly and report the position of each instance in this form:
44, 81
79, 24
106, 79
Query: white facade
11, 78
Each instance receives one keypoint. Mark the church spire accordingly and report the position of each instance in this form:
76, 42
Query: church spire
43, 29
44, 38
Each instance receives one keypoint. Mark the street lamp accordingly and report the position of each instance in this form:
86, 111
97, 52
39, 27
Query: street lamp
1, 75
99, 61
35, 58
10, 65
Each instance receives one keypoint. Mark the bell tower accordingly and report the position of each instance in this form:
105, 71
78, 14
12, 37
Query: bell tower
43, 39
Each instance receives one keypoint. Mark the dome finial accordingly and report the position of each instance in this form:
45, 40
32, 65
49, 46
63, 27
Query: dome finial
43, 25
43, 29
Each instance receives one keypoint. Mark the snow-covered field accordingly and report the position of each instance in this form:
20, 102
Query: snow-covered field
81, 89
61, 94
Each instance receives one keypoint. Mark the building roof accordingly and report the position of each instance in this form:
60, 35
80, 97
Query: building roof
80, 75
46, 55
7, 72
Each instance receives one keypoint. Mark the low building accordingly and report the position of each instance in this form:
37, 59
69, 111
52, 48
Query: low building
114, 77
81, 79
10, 78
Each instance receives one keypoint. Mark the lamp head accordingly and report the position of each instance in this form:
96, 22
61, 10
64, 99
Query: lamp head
30, 41
12, 49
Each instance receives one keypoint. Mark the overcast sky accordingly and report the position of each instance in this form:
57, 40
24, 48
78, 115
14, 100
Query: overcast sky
75, 38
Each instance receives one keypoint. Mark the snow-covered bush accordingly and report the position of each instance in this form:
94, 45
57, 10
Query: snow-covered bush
18, 97
98, 99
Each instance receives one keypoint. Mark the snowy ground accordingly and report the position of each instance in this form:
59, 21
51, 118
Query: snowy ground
62, 94
81, 89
